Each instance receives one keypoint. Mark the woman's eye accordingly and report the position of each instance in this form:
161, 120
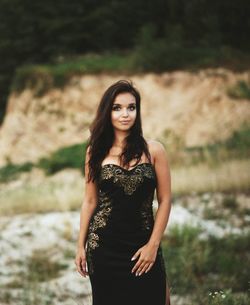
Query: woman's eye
118, 108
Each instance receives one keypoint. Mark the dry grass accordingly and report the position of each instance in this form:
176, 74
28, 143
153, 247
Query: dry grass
51, 195
232, 175
44, 197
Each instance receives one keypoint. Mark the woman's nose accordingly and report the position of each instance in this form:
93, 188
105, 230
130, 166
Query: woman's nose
125, 112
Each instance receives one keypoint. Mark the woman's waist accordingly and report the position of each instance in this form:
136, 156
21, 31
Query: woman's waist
123, 230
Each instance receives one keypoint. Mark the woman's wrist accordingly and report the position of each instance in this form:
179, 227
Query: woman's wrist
154, 244
80, 246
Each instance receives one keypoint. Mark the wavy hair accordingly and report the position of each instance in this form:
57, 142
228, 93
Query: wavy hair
102, 133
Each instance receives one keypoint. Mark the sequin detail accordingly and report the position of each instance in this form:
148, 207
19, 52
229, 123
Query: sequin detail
99, 221
129, 180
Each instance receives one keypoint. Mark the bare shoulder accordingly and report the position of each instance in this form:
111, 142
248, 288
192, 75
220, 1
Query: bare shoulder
156, 149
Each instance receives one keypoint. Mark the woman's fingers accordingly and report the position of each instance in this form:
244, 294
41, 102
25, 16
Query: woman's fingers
149, 267
136, 255
141, 267
84, 265
81, 266
138, 263
79, 269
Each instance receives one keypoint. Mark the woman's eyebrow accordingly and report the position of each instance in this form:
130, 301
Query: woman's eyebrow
121, 105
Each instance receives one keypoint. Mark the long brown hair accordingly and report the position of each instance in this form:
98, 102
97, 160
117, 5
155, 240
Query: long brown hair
102, 132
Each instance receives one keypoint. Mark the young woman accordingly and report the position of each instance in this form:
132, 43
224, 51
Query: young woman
124, 258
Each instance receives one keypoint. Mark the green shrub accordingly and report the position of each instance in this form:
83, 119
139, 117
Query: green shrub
230, 202
41, 78
185, 256
196, 266
240, 139
38, 78
241, 90
11, 171
40, 268
66, 157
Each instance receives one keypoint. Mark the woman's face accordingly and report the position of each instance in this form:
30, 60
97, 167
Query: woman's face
123, 112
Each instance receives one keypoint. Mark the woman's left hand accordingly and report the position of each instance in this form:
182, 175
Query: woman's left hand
146, 260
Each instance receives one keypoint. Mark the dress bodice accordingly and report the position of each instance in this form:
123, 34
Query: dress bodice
127, 181
125, 199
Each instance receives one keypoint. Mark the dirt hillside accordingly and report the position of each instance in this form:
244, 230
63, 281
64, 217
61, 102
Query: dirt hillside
192, 106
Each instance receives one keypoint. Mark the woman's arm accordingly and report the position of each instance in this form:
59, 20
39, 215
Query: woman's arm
163, 192
148, 252
88, 206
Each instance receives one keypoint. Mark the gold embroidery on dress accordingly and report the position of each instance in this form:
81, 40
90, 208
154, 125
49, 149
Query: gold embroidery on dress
123, 178
99, 221
93, 239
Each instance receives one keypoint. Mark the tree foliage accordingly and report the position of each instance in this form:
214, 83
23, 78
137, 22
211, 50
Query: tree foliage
40, 31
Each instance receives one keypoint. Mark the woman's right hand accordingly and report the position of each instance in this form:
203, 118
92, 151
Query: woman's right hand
80, 261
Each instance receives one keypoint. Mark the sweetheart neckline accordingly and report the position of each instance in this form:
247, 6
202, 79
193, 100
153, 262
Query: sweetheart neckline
128, 170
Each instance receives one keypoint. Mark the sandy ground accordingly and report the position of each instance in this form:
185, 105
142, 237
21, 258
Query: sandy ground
56, 234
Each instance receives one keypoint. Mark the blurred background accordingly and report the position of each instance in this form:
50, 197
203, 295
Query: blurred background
190, 60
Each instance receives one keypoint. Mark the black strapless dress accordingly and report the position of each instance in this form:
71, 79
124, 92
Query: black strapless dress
122, 223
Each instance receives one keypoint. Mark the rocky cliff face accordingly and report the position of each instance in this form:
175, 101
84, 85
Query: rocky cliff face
192, 106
